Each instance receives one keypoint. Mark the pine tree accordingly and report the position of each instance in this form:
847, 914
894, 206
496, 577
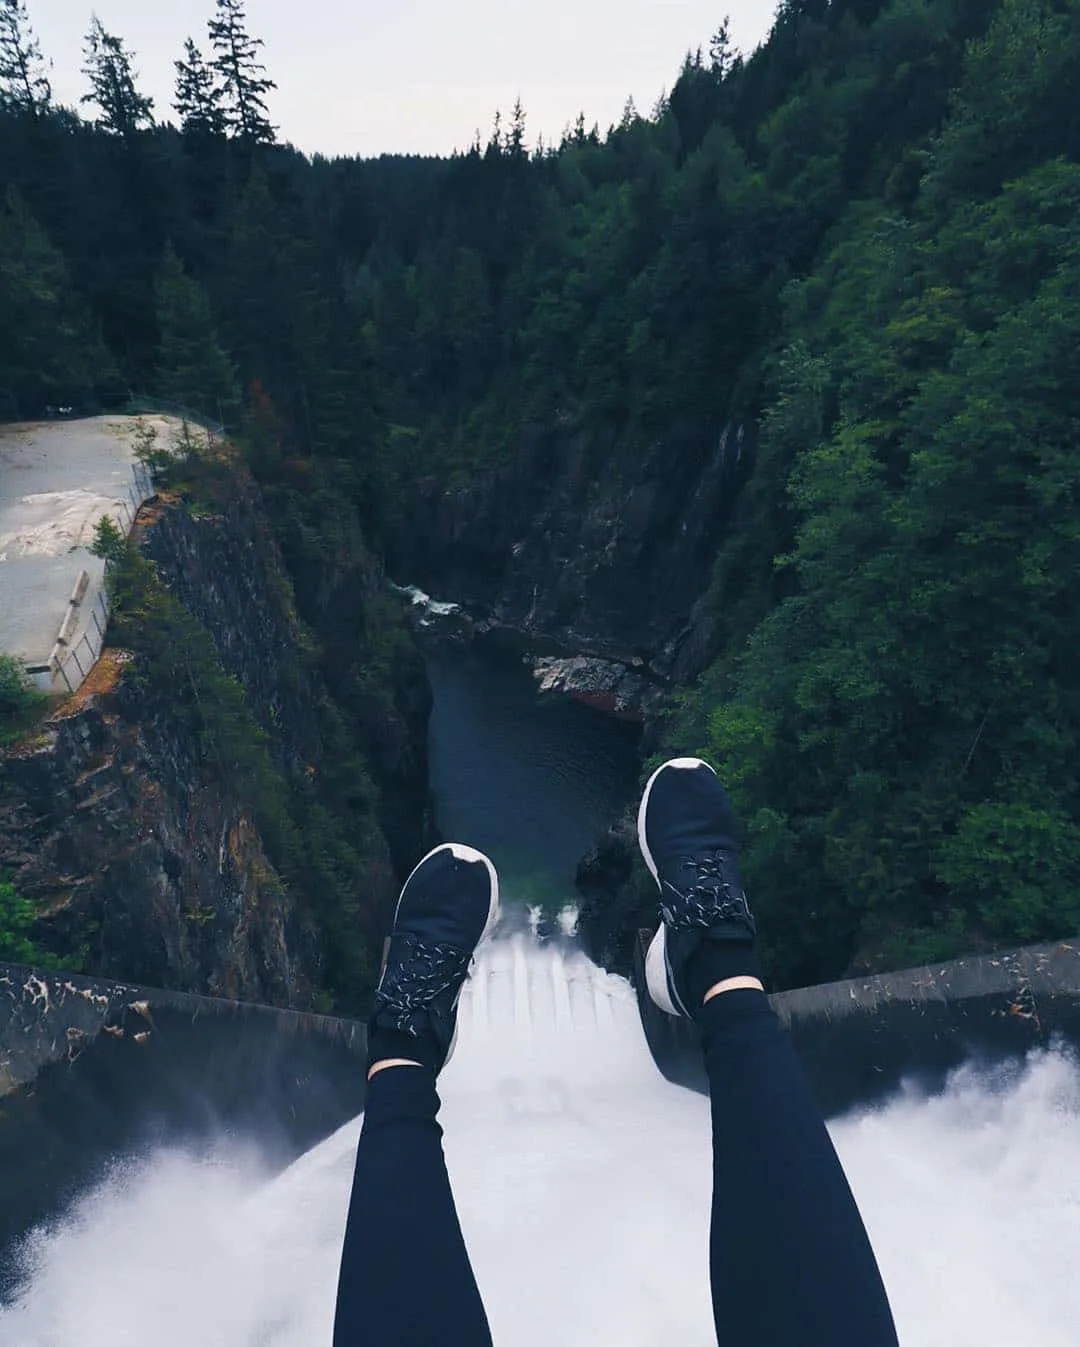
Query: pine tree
198, 100
24, 86
243, 80
49, 352
112, 83
192, 368
722, 55
495, 142
515, 140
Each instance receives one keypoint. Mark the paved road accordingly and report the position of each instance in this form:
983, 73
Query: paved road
57, 479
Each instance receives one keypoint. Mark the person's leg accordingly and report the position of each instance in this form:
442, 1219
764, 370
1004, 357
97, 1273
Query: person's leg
405, 1277
791, 1264
790, 1259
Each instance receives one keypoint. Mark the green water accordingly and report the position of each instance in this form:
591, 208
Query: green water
532, 782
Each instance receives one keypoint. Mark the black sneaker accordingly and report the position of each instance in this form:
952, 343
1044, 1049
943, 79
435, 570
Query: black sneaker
686, 831
448, 905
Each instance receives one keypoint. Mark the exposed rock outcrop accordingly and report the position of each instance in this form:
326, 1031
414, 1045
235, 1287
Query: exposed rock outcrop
604, 685
598, 544
618, 896
138, 866
144, 868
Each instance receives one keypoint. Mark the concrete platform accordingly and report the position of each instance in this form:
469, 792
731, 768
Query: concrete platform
57, 479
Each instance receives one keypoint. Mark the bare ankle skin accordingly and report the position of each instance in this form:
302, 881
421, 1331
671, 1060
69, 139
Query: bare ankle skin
376, 1067
734, 985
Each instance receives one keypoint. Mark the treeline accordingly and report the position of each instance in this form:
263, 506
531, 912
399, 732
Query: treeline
863, 236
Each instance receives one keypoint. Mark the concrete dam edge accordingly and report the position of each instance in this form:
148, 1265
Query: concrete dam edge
95, 1068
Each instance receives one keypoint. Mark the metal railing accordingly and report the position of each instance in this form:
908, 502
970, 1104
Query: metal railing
73, 664
75, 668
143, 406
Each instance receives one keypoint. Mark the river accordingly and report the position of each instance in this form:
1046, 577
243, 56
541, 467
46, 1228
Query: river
530, 781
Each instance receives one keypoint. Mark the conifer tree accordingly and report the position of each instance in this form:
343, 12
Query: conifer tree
515, 140
192, 368
49, 353
722, 55
243, 81
112, 83
24, 85
198, 99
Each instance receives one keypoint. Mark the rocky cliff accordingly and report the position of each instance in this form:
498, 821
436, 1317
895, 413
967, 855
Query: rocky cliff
583, 539
139, 867
144, 860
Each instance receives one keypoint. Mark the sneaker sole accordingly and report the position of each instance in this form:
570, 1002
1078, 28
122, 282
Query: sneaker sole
463, 853
656, 963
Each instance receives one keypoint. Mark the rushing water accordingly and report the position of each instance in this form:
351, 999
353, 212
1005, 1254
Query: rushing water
582, 1177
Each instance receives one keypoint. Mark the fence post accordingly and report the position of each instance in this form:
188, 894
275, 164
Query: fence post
93, 614
62, 671
78, 664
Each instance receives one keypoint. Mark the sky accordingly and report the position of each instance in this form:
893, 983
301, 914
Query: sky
369, 77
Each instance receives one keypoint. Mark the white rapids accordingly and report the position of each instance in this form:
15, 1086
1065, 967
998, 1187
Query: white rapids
582, 1179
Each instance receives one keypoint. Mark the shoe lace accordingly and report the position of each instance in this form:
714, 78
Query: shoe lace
713, 896
417, 974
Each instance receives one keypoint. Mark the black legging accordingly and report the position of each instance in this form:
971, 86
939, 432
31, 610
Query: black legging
791, 1265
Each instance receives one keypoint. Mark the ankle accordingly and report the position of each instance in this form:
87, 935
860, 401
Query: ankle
376, 1067
742, 983
717, 963
395, 1046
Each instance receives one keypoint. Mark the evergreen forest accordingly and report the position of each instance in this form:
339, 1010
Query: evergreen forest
863, 237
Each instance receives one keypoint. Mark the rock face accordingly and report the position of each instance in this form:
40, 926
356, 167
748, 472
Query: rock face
618, 897
342, 599
608, 687
601, 545
137, 863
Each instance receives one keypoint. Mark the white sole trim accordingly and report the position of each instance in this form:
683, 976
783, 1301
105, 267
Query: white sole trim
656, 976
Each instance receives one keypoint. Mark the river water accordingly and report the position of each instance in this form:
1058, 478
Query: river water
531, 782
581, 1176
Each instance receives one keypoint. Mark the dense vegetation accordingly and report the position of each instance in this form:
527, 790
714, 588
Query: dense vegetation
20, 705
320, 829
864, 236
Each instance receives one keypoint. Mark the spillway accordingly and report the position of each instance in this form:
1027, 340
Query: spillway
582, 1179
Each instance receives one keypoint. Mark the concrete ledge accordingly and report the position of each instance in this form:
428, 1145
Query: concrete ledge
53, 1017
93, 1069
859, 1038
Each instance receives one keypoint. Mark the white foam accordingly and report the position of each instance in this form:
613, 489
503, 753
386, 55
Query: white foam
582, 1180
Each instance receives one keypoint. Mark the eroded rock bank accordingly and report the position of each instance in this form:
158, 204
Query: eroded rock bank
584, 538
137, 831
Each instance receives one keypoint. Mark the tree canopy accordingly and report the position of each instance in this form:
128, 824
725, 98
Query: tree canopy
861, 237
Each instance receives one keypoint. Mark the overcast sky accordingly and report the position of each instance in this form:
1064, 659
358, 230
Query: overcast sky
368, 76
